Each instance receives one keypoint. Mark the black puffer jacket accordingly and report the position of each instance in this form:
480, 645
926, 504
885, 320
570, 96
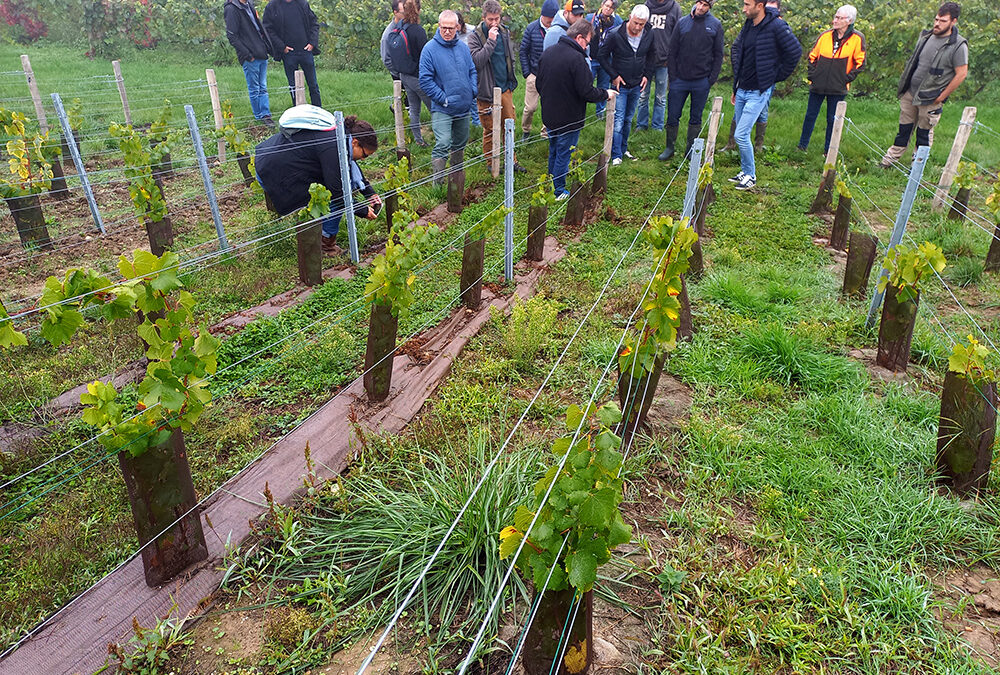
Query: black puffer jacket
777, 51
248, 39
277, 13
288, 163
566, 85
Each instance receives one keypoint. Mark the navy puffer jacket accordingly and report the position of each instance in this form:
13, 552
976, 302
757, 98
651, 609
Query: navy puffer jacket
531, 48
778, 51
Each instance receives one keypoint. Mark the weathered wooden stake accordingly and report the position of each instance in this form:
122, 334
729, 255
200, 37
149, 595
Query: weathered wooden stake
30, 222
604, 159
397, 113
382, 329
841, 224
575, 206
686, 330
473, 257
309, 251
635, 395
954, 157
120, 81
244, 163
300, 87
391, 206
545, 642
966, 432
993, 255
824, 197
59, 189
213, 92
497, 134
162, 497
714, 121
538, 217
860, 258
36, 98
161, 232
456, 182
895, 331
959, 205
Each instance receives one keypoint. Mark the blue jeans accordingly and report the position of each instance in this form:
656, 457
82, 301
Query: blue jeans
560, 149
450, 133
812, 112
762, 118
256, 73
628, 99
603, 82
679, 91
292, 61
660, 104
749, 103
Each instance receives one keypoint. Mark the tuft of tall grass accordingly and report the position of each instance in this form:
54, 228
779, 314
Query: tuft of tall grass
791, 359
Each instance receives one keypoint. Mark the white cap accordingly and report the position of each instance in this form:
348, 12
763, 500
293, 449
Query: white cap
307, 117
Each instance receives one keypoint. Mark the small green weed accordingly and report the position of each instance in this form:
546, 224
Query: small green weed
527, 329
791, 359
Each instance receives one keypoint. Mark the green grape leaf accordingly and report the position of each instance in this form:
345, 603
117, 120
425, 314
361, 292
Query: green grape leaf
581, 567
599, 508
60, 325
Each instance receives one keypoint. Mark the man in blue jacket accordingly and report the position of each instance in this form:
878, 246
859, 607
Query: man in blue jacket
628, 57
694, 60
765, 52
529, 54
448, 77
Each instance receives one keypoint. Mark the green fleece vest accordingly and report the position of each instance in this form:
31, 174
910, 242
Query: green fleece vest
942, 68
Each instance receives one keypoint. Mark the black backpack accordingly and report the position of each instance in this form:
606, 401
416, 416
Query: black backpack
398, 48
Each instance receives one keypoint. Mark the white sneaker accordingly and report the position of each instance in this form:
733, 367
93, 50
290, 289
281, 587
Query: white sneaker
737, 178
629, 155
746, 183
616, 161
562, 196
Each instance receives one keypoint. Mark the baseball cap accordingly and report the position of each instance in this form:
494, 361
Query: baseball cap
576, 7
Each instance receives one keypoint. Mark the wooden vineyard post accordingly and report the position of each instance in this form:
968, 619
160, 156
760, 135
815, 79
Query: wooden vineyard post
36, 98
545, 643
993, 255
456, 186
575, 206
473, 257
604, 159
30, 222
163, 502
497, 138
706, 193
955, 156
391, 206
686, 330
160, 232
714, 121
60, 190
213, 92
382, 330
309, 252
397, 113
860, 259
538, 216
636, 396
966, 431
824, 197
300, 87
895, 331
120, 81
841, 223
959, 205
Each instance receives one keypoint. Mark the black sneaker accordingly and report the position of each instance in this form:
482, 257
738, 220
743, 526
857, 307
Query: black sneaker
519, 169
737, 178
746, 183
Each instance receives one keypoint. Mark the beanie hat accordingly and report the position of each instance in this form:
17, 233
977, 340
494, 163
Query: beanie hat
549, 8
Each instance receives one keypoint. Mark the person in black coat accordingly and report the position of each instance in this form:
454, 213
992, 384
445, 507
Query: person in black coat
694, 59
566, 85
628, 57
294, 32
290, 161
246, 34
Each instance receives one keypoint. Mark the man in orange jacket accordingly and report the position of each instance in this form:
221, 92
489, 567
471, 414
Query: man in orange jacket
837, 58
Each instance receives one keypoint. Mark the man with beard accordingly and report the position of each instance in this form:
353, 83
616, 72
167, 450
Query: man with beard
938, 64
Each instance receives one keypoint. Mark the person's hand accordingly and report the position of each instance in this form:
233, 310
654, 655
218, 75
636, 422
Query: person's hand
617, 82
494, 32
308, 48
376, 201
371, 214
642, 85
288, 49
732, 99
612, 93
939, 100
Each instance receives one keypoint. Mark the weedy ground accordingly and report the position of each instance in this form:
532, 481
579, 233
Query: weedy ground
790, 523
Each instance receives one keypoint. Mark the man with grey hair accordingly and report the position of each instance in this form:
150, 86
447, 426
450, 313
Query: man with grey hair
493, 54
628, 56
837, 58
448, 77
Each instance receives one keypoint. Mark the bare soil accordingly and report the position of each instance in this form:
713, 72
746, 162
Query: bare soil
971, 599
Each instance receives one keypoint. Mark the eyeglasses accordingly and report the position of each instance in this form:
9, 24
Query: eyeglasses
841, 18
446, 28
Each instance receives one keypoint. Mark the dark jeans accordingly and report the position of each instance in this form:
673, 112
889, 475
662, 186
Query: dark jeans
812, 112
560, 149
677, 96
603, 82
292, 61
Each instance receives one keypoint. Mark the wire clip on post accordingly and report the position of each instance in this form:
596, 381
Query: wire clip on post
206, 178
77, 161
903, 215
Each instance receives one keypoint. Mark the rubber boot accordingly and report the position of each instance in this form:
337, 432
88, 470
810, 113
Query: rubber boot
668, 152
731, 144
438, 164
759, 129
693, 131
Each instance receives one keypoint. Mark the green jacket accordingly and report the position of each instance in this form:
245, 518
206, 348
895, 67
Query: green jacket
942, 68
